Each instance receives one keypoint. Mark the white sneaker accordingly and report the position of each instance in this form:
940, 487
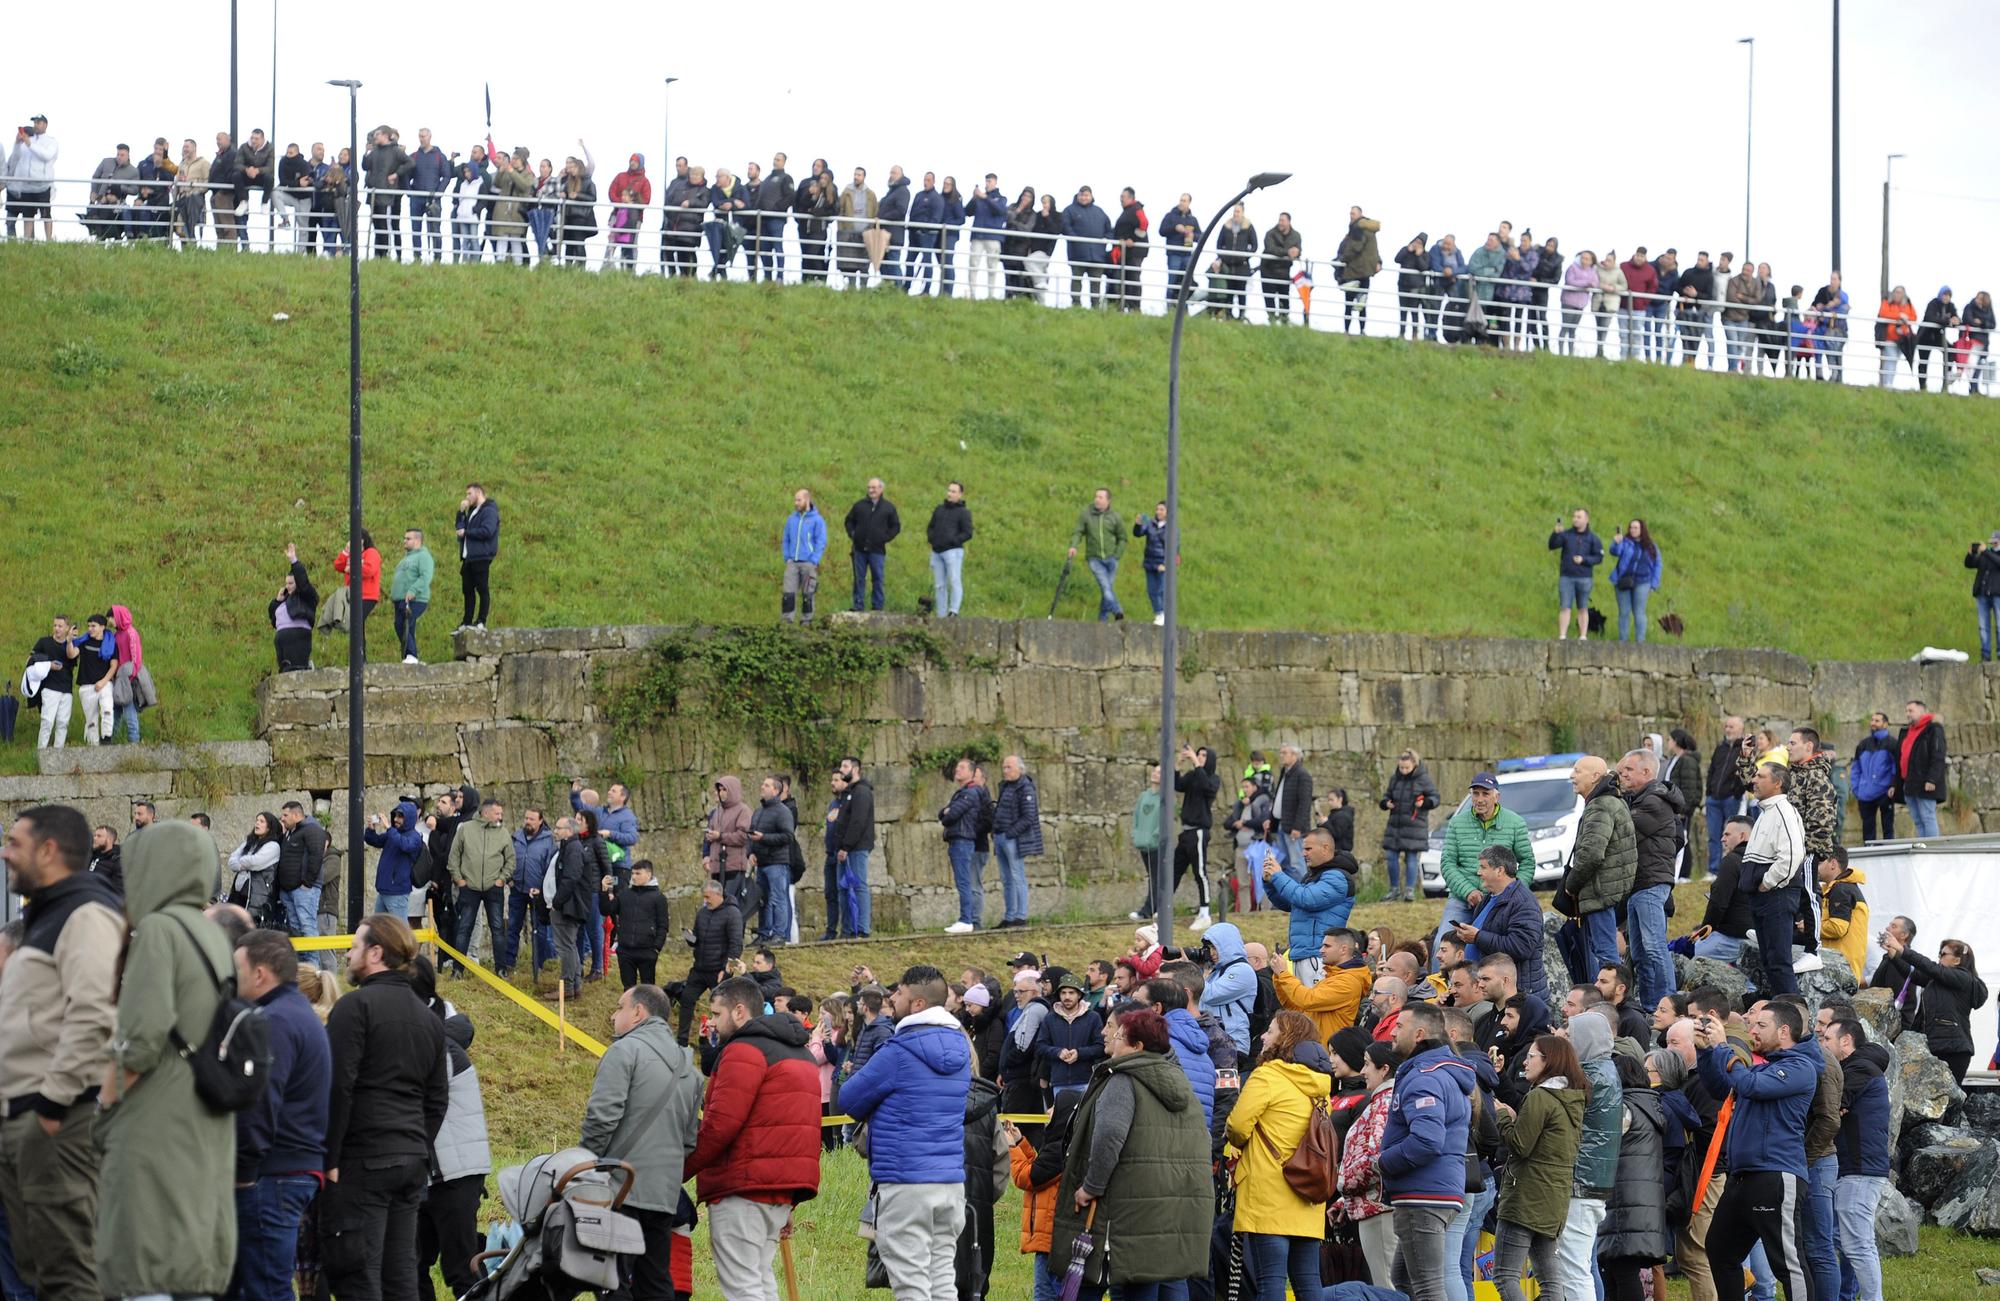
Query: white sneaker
1201, 921
1807, 962
411, 659
959, 928
1135, 917
1159, 621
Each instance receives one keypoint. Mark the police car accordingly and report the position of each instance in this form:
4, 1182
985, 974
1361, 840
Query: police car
1537, 788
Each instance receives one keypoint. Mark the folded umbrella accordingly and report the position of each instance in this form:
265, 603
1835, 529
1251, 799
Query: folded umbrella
1079, 1257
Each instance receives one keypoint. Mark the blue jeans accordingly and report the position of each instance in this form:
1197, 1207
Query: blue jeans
541, 938
770, 252
946, 588
267, 1235
867, 568
1716, 812
1156, 588
1177, 264
1989, 624
1013, 879
1632, 612
1461, 1240
407, 614
1272, 1258
1717, 945
1600, 933
1646, 939
971, 893
396, 905
857, 864
128, 715
1854, 1200
1759, 1265
1105, 571
12, 1286
469, 903
302, 918
1923, 815
1048, 1286
1822, 1245
776, 923
1411, 871
1290, 849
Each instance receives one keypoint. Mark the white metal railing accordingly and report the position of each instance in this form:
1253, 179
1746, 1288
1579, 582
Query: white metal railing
1779, 337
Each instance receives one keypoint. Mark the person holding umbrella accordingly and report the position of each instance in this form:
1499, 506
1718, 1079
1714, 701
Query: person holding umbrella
1137, 1172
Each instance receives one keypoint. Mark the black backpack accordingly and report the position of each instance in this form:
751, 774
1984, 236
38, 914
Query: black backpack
232, 1064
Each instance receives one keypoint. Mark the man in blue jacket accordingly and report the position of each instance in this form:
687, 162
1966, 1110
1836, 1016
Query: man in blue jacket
1581, 552
926, 212
911, 1095
1318, 904
534, 847
1087, 227
1871, 774
428, 173
400, 842
982, 250
1231, 987
1863, 1147
1509, 921
1179, 231
1423, 1148
803, 545
1765, 1199
478, 527
280, 1138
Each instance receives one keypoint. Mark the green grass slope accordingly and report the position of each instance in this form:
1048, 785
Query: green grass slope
166, 437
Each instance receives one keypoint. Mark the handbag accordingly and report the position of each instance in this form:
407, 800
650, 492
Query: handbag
1309, 1170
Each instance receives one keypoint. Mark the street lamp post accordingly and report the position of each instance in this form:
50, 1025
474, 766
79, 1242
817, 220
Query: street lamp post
1888, 174
1749, 116
1836, 135
357, 641
1163, 897
666, 162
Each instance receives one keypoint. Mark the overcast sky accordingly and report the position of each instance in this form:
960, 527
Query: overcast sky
1606, 125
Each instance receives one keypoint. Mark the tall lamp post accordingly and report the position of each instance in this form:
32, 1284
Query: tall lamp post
1888, 174
1836, 135
357, 642
666, 162
1163, 897
1749, 116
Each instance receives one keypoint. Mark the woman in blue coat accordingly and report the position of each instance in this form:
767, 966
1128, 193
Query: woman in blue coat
1318, 904
1636, 576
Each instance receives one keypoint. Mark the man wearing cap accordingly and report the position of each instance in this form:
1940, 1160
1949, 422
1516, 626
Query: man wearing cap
31, 177
1071, 1039
1481, 823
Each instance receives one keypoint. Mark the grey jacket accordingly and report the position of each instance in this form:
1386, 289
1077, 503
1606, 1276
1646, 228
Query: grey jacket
461, 1144
644, 1109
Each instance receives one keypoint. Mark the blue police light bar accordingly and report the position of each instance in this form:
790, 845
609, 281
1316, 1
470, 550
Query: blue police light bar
1536, 762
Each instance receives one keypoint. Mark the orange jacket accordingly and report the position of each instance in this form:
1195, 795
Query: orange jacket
1038, 1205
371, 572
1892, 314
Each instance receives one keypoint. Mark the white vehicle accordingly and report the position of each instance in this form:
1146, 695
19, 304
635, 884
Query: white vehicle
1538, 789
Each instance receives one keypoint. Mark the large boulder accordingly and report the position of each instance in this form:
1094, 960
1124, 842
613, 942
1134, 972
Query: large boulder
1929, 1092
1896, 1220
1554, 965
1725, 976
1833, 982
1984, 1218
1877, 1010
1981, 1113
1949, 1177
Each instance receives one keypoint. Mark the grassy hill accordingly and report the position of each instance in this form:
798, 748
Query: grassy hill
166, 436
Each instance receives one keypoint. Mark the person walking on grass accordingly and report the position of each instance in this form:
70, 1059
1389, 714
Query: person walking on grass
478, 527
1101, 533
410, 591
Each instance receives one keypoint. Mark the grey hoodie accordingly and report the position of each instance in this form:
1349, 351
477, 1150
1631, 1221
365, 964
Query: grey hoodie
1597, 1154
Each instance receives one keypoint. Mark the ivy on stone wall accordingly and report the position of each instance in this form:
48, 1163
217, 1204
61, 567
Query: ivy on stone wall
792, 688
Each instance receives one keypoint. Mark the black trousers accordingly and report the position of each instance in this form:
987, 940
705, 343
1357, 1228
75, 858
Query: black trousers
1764, 1206
646, 1277
368, 1228
472, 582
698, 982
448, 1233
1774, 913
1884, 809
295, 649
1191, 850
634, 969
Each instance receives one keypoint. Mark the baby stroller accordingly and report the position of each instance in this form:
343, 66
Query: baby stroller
573, 1238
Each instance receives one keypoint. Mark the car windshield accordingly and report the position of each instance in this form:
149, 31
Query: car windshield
1541, 803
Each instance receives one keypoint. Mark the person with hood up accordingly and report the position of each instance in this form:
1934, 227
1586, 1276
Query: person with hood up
1863, 1148
1635, 1235
1138, 1169
131, 659
911, 1094
1409, 798
166, 1222
1774, 1086
448, 1219
1542, 1138
1579, 287
400, 842
1319, 903
1036, 1169
1230, 987
1086, 228
1657, 812
1069, 1043
1596, 1170
1359, 259
1190, 1041
1413, 287
726, 839
1293, 1078
630, 192
758, 1152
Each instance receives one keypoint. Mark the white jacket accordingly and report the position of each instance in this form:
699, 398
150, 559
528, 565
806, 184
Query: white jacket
31, 168
1777, 843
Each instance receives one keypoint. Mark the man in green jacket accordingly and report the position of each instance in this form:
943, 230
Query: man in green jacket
1605, 863
410, 591
480, 864
1102, 535
1484, 822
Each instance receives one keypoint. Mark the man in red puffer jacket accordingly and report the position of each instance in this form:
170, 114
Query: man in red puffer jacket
757, 1154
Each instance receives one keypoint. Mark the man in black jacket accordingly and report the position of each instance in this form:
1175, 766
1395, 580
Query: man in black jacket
1291, 808
1198, 787
854, 833
1656, 818
1725, 789
872, 524
948, 532
384, 166
1921, 767
301, 861
106, 859
717, 937
1727, 919
390, 1085
641, 911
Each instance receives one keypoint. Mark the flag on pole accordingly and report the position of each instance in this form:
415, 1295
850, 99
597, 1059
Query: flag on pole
1302, 281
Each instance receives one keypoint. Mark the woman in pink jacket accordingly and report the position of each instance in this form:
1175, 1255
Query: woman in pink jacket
131, 658
1579, 283
1363, 1201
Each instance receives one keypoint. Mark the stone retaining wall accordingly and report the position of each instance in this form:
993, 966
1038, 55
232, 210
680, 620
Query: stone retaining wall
520, 711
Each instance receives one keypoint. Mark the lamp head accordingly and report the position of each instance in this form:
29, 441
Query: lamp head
672, 80
1746, 40
1265, 180
351, 85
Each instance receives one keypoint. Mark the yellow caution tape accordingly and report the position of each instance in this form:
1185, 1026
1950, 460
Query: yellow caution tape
1025, 1118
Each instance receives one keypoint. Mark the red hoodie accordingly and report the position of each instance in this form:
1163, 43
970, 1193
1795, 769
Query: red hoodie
1640, 278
